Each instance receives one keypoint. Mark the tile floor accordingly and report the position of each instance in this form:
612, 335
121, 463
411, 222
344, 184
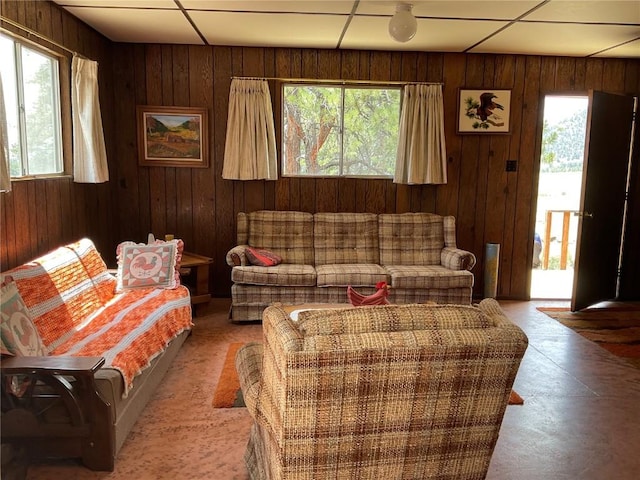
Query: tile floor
581, 417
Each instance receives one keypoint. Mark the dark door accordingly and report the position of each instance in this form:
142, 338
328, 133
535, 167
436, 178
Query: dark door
629, 289
604, 182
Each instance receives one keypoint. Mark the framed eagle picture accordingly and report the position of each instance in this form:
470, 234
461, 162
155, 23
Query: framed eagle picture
484, 111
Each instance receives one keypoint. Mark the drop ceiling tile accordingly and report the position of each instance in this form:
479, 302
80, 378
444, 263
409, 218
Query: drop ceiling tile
287, 6
432, 35
162, 4
610, 11
550, 28
556, 39
263, 29
628, 50
142, 26
489, 9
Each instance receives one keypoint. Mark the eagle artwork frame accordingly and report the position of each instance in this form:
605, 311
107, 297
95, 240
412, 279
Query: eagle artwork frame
484, 110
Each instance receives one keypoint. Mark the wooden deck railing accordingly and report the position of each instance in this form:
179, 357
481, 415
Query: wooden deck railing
564, 245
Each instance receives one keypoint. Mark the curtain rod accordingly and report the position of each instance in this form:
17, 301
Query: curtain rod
36, 34
342, 81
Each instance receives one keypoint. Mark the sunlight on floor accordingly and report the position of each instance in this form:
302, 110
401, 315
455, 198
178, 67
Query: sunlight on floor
551, 284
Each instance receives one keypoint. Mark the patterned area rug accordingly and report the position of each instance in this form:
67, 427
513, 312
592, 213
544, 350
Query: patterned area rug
228, 393
618, 331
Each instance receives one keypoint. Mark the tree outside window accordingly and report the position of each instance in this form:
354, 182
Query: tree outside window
337, 130
32, 100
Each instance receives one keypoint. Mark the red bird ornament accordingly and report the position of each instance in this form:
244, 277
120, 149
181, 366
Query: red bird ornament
378, 298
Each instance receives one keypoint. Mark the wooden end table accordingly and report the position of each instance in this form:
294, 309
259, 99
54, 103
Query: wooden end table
201, 264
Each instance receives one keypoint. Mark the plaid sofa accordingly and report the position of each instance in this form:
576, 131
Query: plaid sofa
323, 253
393, 392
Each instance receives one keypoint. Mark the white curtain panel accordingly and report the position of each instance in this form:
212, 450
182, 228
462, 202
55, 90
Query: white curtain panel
422, 154
5, 178
250, 148
89, 152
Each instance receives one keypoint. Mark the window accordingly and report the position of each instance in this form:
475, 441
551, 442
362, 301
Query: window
337, 130
32, 100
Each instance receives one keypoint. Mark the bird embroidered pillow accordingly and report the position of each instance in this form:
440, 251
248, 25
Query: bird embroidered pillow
153, 265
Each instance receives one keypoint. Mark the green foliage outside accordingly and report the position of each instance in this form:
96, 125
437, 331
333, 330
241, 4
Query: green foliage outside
554, 262
40, 117
334, 130
39, 149
563, 144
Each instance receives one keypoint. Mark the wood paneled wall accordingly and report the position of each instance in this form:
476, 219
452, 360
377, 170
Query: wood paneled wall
39, 215
490, 204
197, 205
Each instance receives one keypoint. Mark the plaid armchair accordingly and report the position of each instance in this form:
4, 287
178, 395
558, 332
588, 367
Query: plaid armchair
399, 391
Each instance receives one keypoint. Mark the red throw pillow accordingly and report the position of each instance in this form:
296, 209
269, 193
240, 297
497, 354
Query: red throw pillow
262, 257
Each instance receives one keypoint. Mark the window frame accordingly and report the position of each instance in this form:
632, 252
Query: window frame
334, 84
62, 96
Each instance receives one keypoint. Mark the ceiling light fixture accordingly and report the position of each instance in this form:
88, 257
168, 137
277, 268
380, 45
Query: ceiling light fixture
403, 25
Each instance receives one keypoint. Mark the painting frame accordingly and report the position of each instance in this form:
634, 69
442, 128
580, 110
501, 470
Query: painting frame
484, 111
181, 139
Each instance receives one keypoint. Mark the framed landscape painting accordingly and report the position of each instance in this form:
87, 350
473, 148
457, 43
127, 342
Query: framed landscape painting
484, 111
172, 136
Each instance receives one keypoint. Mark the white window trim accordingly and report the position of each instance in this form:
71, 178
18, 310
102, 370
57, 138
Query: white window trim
19, 44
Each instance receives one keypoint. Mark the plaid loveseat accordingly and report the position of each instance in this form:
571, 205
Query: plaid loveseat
379, 392
323, 253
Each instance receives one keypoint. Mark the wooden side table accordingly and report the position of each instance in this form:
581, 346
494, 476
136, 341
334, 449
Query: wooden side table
201, 264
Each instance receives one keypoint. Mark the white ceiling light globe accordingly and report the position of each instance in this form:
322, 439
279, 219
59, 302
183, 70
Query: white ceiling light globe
403, 25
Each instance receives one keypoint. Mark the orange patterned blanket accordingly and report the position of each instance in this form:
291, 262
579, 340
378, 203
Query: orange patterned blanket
132, 329
72, 303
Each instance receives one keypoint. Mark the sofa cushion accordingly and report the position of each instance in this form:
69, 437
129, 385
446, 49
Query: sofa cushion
357, 275
60, 292
428, 276
424, 345
391, 318
280, 275
345, 238
94, 265
410, 238
18, 333
287, 234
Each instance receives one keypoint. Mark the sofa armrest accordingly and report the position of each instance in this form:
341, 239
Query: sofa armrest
492, 309
249, 367
457, 259
67, 383
236, 256
53, 365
